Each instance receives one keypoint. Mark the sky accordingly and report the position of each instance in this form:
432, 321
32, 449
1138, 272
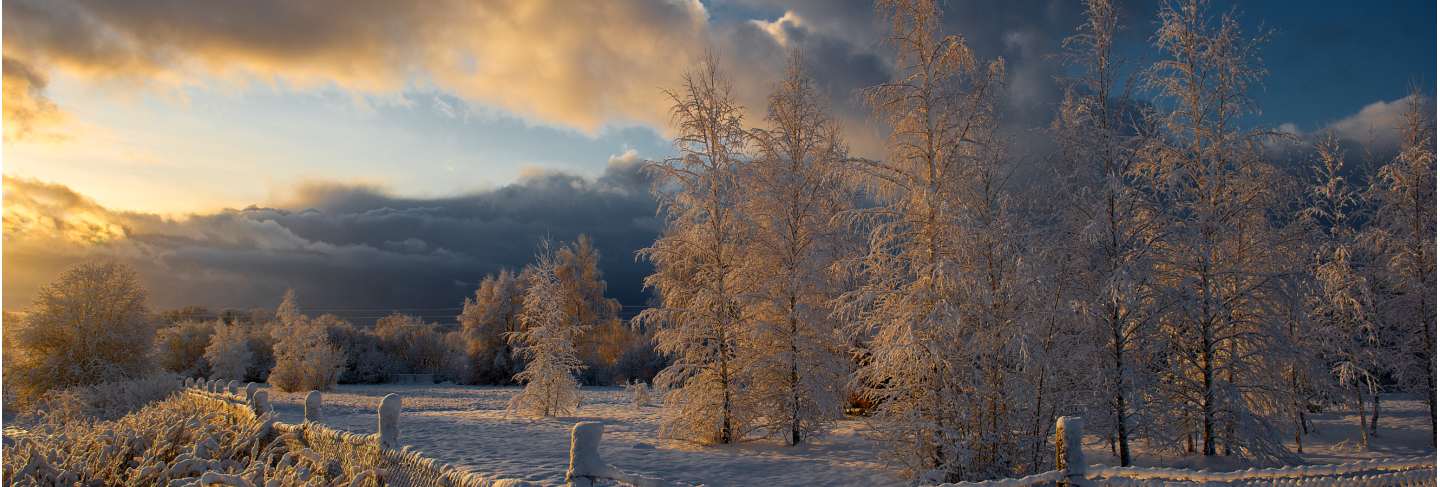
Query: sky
375, 154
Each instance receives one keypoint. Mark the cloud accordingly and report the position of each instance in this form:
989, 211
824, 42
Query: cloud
28, 113
337, 245
1374, 129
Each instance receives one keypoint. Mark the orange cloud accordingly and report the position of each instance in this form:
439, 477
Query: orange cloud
575, 64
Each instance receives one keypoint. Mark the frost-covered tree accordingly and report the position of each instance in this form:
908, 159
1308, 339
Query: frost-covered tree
577, 265
228, 352
485, 321
87, 327
547, 340
699, 323
304, 357
1342, 297
1109, 222
793, 188
1218, 263
1404, 229
942, 294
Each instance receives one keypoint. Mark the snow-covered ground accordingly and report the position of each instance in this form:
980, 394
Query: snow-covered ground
469, 426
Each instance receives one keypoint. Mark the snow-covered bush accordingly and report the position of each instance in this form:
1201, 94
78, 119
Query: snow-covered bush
88, 327
639, 393
304, 357
229, 352
547, 342
105, 401
180, 348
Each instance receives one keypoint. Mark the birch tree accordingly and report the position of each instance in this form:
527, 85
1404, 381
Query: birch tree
547, 341
937, 302
698, 257
793, 188
1216, 262
1343, 298
1110, 221
1405, 231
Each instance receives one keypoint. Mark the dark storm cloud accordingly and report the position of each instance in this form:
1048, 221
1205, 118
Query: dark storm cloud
338, 246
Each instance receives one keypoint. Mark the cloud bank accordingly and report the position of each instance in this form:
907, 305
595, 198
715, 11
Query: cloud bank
337, 245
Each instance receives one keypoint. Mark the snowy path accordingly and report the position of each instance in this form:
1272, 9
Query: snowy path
469, 426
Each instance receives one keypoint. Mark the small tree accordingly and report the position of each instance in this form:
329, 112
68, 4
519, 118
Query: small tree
547, 341
229, 352
304, 357
85, 328
484, 322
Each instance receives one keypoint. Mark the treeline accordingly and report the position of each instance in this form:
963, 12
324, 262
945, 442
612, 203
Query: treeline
1166, 272
295, 352
91, 327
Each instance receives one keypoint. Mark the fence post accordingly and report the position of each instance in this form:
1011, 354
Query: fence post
312, 407
1070, 450
250, 388
260, 402
232, 387
585, 453
390, 421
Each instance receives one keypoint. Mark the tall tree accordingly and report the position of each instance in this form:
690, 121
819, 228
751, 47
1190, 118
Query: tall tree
793, 187
698, 258
1110, 224
937, 370
1343, 296
1216, 262
1405, 231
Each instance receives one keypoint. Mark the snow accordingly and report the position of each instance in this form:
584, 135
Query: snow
469, 426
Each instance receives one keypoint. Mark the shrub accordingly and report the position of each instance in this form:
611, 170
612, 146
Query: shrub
181, 348
104, 401
88, 327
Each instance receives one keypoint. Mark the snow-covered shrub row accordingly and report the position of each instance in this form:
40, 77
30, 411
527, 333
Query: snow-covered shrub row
103, 401
183, 440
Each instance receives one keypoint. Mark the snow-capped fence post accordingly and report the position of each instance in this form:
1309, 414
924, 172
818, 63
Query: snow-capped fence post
1069, 450
260, 402
312, 407
390, 421
586, 467
585, 463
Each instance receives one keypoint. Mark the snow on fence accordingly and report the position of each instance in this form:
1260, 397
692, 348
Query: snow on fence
380, 456
1072, 471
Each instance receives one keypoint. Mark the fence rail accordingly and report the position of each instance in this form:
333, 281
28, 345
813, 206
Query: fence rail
1071, 471
381, 456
